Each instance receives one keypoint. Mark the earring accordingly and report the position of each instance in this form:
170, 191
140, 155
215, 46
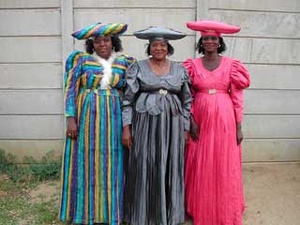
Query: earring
219, 46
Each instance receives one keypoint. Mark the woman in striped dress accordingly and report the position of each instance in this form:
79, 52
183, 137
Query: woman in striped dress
92, 172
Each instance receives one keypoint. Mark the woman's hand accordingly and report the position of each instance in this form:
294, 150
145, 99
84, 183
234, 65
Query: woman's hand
194, 130
71, 128
126, 137
239, 134
186, 137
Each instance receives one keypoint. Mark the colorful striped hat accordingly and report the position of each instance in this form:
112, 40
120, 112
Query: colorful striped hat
99, 29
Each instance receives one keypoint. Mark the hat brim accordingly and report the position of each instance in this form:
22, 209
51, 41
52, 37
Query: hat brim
219, 27
99, 29
159, 32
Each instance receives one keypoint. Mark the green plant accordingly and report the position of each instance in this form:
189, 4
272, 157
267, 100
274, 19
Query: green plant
18, 204
46, 169
6, 161
9, 167
18, 181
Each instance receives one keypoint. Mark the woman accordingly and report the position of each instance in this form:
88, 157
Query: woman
155, 112
92, 173
213, 173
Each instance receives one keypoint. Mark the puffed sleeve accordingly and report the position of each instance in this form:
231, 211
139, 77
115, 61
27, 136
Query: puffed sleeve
129, 60
118, 77
240, 79
71, 82
132, 88
190, 67
186, 100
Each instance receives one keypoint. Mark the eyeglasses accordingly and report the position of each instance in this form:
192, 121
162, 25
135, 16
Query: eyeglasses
212, 38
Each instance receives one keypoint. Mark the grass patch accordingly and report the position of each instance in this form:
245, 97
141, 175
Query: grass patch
29, 193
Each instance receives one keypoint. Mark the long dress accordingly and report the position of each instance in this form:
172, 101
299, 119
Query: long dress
213, 173
92, 171
158, 109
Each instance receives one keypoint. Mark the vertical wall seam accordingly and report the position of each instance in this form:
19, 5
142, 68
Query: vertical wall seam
67, 41
67, 24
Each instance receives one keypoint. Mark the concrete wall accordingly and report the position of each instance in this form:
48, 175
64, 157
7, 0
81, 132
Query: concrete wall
269, 45
31, 77
139, 15
35, 41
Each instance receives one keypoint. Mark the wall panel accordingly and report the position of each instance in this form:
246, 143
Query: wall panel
259, 150
30, 49
275, 51
31, 102
257, 5
271, 126
31, 127
271, 24
30, 22
239, 48
137, 19
27, 4
34, 148
272, 102
134, 4
31, 76
274, 76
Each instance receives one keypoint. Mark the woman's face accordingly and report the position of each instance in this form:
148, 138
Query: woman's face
103, 46
159, 49
210, 43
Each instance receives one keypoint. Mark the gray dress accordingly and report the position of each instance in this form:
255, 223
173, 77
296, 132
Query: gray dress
158, 109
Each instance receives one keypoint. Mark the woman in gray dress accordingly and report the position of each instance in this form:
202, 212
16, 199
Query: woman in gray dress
156, 113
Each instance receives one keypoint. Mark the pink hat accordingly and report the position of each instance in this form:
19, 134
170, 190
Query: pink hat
212, 28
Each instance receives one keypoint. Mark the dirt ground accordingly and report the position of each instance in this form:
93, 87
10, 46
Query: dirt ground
272, 192
45, 192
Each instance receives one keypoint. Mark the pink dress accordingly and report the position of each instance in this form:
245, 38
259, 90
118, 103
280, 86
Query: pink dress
213, 172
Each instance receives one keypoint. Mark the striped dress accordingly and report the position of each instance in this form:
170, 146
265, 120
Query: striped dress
92, 170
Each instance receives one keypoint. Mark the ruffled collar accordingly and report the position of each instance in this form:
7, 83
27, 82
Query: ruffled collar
107, 69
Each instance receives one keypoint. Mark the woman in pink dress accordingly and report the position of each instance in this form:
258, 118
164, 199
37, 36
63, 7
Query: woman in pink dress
213, 172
